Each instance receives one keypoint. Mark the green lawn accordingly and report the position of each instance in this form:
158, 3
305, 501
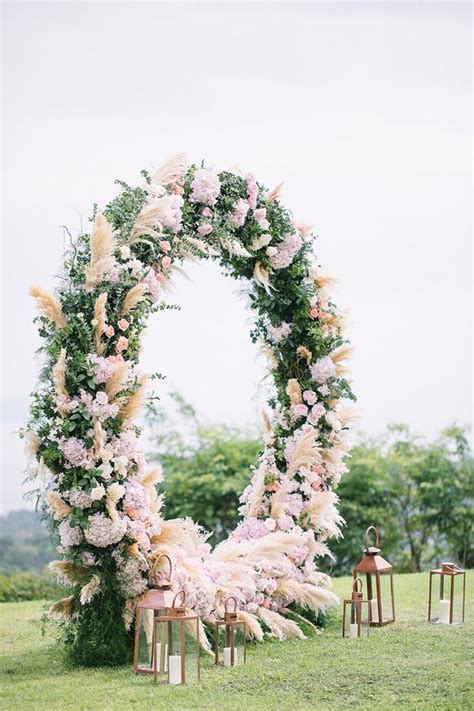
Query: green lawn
411, 665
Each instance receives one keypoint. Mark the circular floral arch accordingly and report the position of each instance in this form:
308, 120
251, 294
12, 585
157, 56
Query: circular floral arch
92, 480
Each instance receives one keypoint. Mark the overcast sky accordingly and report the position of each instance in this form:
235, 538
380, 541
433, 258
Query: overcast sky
363, 109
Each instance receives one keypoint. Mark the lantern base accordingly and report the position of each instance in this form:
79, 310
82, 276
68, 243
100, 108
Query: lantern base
382, 624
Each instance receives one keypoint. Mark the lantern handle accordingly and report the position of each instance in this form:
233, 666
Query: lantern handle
183, 599
227, 602
376, 541
357, 585
163, 555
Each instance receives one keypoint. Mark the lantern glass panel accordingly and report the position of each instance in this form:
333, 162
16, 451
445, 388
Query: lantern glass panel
380, 585
230, 636
177, 650
145, 638
447, 588
356, 618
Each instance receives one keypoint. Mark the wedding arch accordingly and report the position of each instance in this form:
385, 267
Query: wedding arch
93, 484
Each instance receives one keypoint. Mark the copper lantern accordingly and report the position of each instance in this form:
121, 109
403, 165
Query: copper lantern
229, 637
356, 613
176, 642
379, 582
153, 604
451, 596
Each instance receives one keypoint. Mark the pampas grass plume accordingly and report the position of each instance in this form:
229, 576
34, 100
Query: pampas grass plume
49, 306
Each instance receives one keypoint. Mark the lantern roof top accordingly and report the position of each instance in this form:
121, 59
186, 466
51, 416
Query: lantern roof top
372, 562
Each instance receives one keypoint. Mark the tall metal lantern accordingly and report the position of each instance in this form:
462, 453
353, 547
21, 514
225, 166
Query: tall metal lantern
153, 604
176, 640
379, 582
229, 637
356, 613
451, 597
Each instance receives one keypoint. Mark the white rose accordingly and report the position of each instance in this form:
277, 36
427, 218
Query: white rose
271, 251
125, 252
105, 471
98, 492
270, 524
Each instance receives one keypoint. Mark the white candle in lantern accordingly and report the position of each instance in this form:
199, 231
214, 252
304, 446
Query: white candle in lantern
354, 631
374, 611
227, 657
444, 606
175, 669
166, 658
161, 662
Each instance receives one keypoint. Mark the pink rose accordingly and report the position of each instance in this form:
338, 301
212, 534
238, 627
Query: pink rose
300, 410
165, 245
274, 486
310, 397
115, 359
123, 324
325, 328
206, 212
109, 331
318, 410
122, 344
314, 313
166, 262
177, 189
205, 229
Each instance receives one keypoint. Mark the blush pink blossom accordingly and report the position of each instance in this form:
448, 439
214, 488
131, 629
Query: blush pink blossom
261, 218
205, 187
206, 212
300, 410
109, 331
123, 324
252, 191
237, 218
115, 358
310, 397
323, 369
205, 229
122, 344
314, 313
166, 262
165, 245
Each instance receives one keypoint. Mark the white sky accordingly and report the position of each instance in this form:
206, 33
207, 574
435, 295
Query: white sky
363, 109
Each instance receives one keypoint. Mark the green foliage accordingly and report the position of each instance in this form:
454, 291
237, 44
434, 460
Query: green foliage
18, 587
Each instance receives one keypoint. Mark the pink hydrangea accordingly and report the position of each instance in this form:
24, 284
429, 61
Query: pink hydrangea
323, 369
102, 370
237, 218
76, 453
252, 191
135, 499
250, 528
102, 531
287, 251
261, 218
78, 498
70, 535
205, 187
205, 229
285, 522
277, 333
170, 214
154, 286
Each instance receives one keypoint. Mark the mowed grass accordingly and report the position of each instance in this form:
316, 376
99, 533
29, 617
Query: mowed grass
409, 665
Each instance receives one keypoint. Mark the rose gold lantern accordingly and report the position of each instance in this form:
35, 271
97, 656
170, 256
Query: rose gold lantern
356, 614
379, 581
451, 597
153, 604
176, 642
229, 638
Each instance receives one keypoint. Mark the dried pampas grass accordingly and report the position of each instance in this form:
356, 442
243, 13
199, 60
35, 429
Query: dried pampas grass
274, 194
90, 590
258, 490
278, 499
49, 306
305, 453
293, 390
172, 533
154, 476
323, 514
99, 440
59, 374
62, 610
58, 508
339, 356
170, 171
304, 594
114, 493
133, 297
102, 245
303, 353
68, 572
253, 629
261, 277
135, 401
269, 353
32, 442
100, 319
279, 627
118, 379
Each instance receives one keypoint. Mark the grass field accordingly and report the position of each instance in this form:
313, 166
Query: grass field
409, 665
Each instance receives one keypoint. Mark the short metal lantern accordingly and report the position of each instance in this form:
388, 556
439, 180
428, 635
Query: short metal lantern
230, 637
356, 613
153, 604
451, 598
176, 642
379, 582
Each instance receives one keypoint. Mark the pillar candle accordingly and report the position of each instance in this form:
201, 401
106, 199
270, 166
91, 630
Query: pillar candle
354, 631
444, 612
227, 657
175, 669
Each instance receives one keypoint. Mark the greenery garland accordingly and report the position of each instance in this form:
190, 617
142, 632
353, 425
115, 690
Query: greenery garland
99, 499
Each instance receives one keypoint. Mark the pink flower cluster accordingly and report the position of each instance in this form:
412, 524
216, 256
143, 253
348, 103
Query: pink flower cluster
237, 218
323, 369
205, 187
287, 251
76, 453
172, 215
99, 406
153, 282
102, 369
250, 528
69, 535
102, 531
252, 191
277, 333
